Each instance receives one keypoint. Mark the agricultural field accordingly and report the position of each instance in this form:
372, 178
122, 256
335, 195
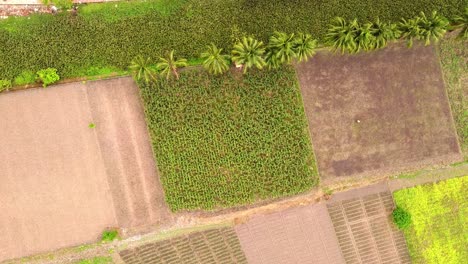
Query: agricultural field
378, 113
229, 140
62, 181
454, 60
106, 37
439, 215
212, 246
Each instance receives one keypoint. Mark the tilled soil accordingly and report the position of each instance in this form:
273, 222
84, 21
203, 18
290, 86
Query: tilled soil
63, 182
377, 113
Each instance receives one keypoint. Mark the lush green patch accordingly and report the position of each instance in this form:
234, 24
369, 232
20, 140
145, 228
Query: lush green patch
454, 58
229, 140
109, 235
96, 260
103, 35
439, 214
401, 218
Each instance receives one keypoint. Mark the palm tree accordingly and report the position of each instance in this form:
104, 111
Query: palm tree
433, 27
272, 60
304, 46
383, 33
462, 22
249, 52
282, 46
410, 29
169, 65
364, 36
214, 61
142, 70
342, 35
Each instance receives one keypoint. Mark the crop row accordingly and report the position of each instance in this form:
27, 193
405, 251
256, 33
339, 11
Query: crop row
228, 140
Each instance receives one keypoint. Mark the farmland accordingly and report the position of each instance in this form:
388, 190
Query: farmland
212, 246
378, 113
439, 214
109, 36
229, 140
454, 60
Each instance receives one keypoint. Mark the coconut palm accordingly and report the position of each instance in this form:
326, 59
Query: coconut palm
168, 65
410, 29
142, 70
271, 59
342, 35
384, 33
214, 61
432, 27
282, 46
304, 46
462, 22
364, 37
249, 53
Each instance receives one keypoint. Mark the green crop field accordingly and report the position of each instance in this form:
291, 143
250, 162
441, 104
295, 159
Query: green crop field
439, 213
108, 36
229, 140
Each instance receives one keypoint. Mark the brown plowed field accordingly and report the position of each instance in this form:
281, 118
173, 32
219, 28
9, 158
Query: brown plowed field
298, 235
61, 182
204, 247
366, 234
377, 113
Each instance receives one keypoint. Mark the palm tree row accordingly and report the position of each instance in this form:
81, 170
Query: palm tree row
353, 37
282, 48
167, 67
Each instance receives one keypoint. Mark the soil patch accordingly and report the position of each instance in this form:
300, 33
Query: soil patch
377, 113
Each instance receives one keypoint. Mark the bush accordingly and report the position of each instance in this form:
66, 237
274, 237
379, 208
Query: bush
401, 218
109, 235
108, 36
25, 77
5, 85
48, 76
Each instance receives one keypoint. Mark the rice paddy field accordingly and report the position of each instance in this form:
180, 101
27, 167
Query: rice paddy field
439, 214
229, 140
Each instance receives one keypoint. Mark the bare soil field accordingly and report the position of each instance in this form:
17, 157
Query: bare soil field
363, 226
211, 246
63, 182
297, 235
378, 113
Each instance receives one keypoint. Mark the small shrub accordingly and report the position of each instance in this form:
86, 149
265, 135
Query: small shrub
26, 77
110, 235
48, 76
5, 85
401, 218
92, 125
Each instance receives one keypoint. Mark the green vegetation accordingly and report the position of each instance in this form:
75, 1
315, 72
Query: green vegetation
248, 53
25, 77
47, 76
96, 260
229, 140
168, 65
92, 125
141, 69
401, 218
5, 85
109, 235
110, 35
462, 23
214, 61
454, 61
439, 216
